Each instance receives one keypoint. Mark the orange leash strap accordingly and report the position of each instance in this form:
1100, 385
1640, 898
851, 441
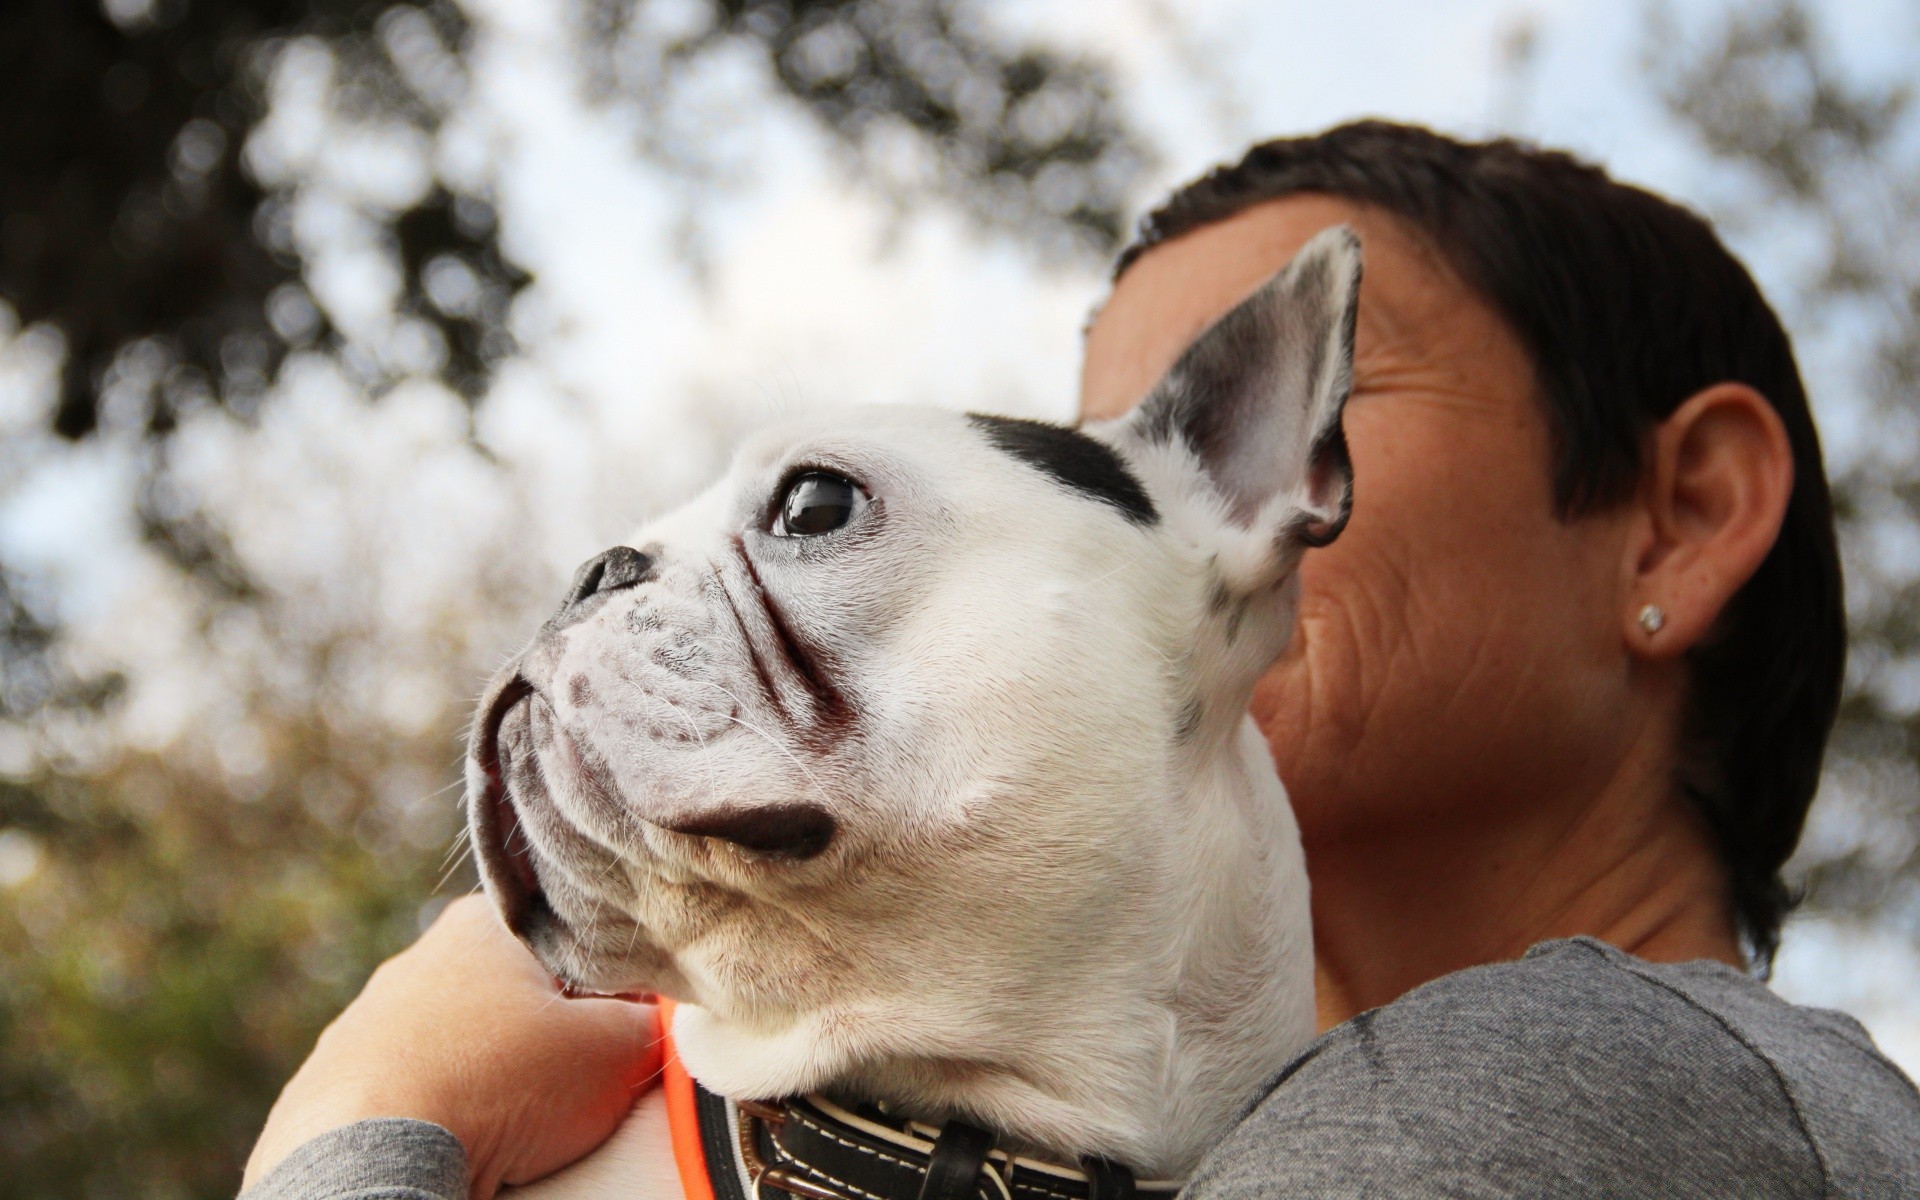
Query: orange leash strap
683, 1117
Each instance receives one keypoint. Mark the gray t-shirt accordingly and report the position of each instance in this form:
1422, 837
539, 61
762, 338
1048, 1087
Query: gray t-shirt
1576, 1071
1581, 1071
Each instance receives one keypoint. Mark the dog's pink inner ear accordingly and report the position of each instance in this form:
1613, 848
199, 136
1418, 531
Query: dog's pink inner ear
1256, 400
1328, 499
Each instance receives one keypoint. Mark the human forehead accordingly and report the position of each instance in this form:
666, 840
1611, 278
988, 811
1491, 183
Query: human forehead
1412, 302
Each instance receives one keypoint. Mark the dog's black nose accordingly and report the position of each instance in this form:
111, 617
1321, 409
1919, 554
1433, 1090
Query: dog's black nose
608, 571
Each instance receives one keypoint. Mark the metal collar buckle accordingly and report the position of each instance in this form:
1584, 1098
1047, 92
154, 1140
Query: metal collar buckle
758, 1172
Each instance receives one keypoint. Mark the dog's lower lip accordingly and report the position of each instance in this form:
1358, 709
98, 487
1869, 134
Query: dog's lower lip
513, 846
575, 992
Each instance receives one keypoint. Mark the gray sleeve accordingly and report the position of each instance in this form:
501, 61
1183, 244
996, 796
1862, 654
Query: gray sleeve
1515, 1080
382, 1159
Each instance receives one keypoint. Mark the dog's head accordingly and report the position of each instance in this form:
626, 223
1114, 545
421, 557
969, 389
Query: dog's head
911, 705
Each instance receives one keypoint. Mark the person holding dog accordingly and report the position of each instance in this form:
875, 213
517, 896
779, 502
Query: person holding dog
1551, 723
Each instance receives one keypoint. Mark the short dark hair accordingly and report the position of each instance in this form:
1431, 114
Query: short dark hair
1627, 304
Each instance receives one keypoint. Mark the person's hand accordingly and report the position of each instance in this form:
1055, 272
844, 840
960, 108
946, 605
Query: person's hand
465, 1029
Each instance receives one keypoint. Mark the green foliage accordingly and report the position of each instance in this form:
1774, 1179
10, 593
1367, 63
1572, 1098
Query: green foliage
130, 214
176, 951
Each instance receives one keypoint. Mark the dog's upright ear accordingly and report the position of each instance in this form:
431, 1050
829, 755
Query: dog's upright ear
1241, 442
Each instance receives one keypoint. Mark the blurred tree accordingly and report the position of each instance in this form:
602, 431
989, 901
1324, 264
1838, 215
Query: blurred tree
128, 212
175, 954
127, 209
919, 94
181, 919
132, 220
1832, 167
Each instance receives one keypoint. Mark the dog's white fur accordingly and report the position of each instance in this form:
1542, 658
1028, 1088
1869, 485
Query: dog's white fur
1064, 895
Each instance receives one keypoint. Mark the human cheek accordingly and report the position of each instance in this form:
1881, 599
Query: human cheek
1392, 639
1352, 641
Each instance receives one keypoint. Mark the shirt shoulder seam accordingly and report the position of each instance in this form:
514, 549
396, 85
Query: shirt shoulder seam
1746, 1043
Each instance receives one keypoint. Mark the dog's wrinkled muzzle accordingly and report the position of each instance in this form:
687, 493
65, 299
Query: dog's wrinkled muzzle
563, 798
503, 756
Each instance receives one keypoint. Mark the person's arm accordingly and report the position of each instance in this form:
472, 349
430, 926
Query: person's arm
383, 1158
459, 1065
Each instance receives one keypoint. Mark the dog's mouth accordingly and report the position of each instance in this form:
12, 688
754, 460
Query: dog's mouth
504, 753
501, 841
503, 846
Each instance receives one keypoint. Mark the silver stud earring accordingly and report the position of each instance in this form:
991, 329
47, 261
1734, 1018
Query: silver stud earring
1652, 619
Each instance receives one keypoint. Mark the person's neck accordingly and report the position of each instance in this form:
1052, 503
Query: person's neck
1628, 863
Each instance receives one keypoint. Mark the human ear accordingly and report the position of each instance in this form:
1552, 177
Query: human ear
1713, 493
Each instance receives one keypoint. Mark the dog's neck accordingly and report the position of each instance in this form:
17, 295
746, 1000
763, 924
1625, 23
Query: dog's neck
1143, 1055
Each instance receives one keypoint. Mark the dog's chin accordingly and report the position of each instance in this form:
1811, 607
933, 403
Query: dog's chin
609, 944
599, 955
583, 977
589, 944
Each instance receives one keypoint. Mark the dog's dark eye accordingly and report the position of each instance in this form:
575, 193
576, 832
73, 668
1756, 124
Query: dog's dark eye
816, 503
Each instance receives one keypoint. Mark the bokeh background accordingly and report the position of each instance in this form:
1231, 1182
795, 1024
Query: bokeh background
333, 333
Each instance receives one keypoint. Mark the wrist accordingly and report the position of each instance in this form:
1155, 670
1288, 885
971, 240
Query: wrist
312, 1107
385, 1156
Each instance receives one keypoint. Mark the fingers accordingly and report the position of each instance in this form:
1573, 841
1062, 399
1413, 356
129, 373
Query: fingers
465, 1028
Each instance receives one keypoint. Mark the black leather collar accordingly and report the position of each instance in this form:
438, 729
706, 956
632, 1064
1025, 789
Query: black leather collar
813, 1149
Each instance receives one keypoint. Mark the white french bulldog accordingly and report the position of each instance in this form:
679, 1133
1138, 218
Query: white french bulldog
913, 758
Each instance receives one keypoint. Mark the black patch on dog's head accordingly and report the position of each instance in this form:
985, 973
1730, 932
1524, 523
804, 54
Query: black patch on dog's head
1082, 463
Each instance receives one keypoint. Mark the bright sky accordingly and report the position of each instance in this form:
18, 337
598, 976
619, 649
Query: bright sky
636, 378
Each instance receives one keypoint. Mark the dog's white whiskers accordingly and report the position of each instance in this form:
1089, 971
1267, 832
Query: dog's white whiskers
706, 747
633, 936
462, 841
1102, 577
462, 851
769, 738
441, 791
775, 742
